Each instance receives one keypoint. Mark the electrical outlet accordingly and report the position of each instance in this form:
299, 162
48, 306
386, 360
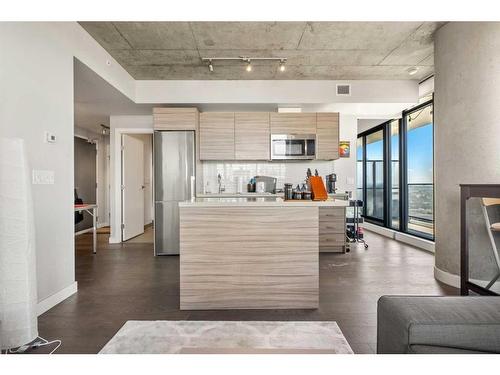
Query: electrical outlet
41, 177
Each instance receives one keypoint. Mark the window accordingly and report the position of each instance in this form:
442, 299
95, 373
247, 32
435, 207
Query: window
359, 169
375, 175
395, 172
420, 171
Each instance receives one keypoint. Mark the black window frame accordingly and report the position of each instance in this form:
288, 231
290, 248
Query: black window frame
403, 173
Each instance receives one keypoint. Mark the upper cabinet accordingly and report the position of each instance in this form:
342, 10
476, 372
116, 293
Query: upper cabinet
252, 136
217, 136
293, 123
175, 118
247, 135
327, 136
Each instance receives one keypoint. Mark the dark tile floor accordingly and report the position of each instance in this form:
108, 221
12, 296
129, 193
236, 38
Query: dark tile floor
126, 282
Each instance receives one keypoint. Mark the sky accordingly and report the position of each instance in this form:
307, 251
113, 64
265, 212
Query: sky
420, 155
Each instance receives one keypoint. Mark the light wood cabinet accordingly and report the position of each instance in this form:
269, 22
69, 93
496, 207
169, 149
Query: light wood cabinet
217, 136
327, 136
332, 229
175, 118
252, 136
293, 123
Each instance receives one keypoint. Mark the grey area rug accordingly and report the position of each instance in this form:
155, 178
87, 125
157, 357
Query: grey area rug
226, 337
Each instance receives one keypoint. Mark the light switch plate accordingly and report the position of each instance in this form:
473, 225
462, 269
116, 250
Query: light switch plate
50, 138
41, 177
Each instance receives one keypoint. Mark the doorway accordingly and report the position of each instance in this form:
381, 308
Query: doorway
137, 225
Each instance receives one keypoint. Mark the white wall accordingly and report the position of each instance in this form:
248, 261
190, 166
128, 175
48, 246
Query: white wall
345, 168
36, 95
281, 91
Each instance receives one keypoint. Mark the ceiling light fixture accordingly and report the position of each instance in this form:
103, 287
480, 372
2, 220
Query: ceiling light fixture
413, 70
245, 59
282, 65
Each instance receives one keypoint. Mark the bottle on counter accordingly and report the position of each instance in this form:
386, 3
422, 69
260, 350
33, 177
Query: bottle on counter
208, 190
288, 191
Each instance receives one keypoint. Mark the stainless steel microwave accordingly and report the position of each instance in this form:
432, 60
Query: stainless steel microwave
293, 146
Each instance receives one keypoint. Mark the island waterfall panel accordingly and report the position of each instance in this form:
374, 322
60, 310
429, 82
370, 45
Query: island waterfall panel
249, 257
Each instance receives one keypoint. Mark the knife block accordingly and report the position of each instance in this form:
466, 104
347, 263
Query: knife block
318, 189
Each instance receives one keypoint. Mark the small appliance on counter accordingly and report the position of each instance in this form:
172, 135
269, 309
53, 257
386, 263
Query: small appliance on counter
331, 180
268, 183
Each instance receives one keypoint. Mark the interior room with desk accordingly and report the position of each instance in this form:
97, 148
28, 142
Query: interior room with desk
315, 188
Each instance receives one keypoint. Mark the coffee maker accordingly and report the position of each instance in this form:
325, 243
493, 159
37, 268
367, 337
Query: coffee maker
331, 179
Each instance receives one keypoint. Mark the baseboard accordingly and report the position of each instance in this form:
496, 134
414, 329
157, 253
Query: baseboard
401, 237
447, 278
50, 302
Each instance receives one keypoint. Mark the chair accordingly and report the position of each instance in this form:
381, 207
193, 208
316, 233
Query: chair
491, 229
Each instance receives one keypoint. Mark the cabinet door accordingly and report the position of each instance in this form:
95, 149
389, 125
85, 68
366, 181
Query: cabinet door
175, 118
217, 136
327, 136
332, 229
252, 136
293, 123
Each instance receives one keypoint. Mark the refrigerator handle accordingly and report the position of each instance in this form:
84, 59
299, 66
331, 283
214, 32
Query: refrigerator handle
193, 187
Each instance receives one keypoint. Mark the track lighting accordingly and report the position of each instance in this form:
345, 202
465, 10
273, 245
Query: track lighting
245, 59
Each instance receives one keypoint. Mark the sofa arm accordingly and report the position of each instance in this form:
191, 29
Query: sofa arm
392, 327
456, 323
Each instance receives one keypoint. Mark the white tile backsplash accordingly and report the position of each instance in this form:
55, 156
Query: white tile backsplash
290, 171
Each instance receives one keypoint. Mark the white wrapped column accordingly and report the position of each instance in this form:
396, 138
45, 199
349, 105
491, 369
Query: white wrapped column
18, 297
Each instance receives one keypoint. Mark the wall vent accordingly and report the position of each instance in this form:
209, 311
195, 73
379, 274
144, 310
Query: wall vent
343, 90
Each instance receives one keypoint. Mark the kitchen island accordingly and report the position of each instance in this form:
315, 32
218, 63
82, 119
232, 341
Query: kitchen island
251, 253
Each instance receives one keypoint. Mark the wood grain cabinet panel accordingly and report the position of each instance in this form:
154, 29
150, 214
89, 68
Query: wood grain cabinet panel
332, 229
293, 123
327, 136
252, 136
175, 118
217, 136
249, 258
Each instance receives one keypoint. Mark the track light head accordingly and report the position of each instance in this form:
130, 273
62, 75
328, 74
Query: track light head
249, 66
282, 66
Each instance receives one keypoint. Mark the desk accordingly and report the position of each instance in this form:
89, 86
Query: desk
91, 209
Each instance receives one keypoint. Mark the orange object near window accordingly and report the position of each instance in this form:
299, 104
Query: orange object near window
318, 189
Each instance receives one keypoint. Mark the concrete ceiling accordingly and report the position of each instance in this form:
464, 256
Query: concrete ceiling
315, 50
96, 100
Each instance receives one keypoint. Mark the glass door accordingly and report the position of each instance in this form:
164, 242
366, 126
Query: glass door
420, 171
374, 175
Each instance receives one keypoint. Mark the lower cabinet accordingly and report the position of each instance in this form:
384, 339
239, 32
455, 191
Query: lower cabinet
332, 229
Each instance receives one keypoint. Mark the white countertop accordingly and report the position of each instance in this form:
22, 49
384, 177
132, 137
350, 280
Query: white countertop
271, 201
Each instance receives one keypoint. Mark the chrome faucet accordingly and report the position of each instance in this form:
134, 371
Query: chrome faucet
219, 181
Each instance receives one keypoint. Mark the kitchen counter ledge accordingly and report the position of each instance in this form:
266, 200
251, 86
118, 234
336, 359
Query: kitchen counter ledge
261, 202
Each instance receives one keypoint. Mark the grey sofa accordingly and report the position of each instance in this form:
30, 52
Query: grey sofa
438, 325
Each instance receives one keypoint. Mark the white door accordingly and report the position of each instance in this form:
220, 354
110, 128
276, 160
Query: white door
132, 187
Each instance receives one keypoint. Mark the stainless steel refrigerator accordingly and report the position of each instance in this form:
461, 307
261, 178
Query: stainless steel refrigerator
174, 182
